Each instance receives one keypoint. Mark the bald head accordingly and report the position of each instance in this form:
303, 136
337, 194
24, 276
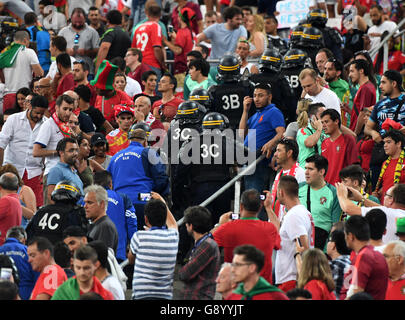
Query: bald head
143, 105
9, 182
74, 96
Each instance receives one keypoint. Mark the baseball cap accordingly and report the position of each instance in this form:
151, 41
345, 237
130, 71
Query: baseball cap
394, 75
98, 138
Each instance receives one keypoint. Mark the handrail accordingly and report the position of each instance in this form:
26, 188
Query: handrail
399, 25
227, 185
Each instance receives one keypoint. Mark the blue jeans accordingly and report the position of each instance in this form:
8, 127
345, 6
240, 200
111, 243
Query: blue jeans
259, 180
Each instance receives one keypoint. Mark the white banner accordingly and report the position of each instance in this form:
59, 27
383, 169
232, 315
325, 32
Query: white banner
291, 12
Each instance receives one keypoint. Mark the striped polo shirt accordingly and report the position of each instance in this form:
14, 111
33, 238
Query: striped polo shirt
156, 252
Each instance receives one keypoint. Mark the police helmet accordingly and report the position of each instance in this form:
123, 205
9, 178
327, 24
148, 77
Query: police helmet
229, 68
9, 25
66, 191
304, 23
296, 34
201, 96
294, 58
317, 18
144, 127
311, 37
190, 112
271, 60
215, 120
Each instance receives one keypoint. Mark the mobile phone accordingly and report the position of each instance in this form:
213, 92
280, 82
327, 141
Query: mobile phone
170, 28
144, 196
235, 216
262, 197
299, 241
6, 273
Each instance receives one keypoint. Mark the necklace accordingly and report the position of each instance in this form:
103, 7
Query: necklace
398, 169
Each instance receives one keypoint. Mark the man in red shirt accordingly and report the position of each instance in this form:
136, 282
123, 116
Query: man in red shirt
133, 59
365, 97
369, 271
40, 256
85, 264
107, 96
248, 229
64, 79
80, 73
10, 207
392, 168
340, 149
394, 254
166, 108
118, 138
246, 265
148, 39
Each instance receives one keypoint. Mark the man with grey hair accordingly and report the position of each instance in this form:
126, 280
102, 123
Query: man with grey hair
225, 283
18, 64
10, 207
394, 253
15, 248
101, 227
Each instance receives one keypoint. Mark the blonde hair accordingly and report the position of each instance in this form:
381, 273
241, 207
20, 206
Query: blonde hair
303, 107
258, 25
315, 266
308, 72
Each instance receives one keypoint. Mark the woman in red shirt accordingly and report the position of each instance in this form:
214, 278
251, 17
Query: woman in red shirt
315, 275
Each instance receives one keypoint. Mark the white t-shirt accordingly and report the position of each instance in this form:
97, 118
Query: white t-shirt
375, 41
48, 137
296, 223
53, 69
133, 87
327, 97
392, 216
20, 74
112, 284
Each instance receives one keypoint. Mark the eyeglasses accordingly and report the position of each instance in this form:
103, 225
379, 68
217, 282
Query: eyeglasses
389, 195
28, 100
387, 256
41, 87
128, 55
237, 265
76, 40
74, 122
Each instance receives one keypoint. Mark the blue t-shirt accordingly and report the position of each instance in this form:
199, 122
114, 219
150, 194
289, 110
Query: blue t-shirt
264, 122
62, 171
222, 39
385, 109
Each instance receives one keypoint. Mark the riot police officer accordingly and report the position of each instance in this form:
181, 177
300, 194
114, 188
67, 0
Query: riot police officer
283, 95
294, 61
206, 164
331, 37
311, 41
227, 96
202, 96
50, 220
